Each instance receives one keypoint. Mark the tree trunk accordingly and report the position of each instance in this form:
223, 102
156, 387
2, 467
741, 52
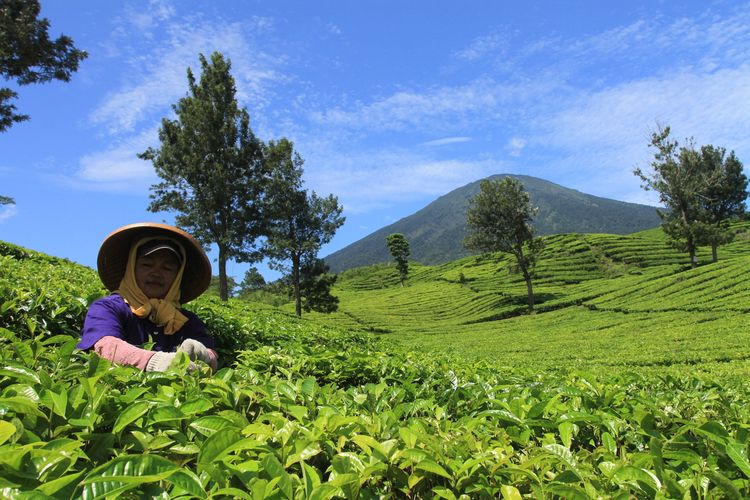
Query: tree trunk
529, 289
714, 252
522, 264
223, 288
295, 282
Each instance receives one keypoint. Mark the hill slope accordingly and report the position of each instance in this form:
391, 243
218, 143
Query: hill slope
596, 294
437, 231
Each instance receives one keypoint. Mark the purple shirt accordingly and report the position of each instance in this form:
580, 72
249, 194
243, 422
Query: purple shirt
111, 316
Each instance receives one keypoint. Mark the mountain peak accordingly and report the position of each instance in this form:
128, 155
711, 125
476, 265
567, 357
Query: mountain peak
436, 232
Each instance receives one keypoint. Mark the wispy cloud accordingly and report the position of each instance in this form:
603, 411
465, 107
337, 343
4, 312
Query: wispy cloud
515, 146
367, 180
445, 141
493, 44
157, 79
7, 211
145, 19
438, 108
118, 168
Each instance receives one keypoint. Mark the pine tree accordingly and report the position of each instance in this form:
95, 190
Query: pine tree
212, 168
399, 248
299, 223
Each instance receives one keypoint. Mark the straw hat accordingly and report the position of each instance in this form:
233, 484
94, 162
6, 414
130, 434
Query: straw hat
113, 257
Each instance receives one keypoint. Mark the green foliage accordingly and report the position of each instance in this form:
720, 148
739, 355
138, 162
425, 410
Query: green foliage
597, 295
604, 394
299, 223
211, 167
7, 200
499, 220
701, 191
27, 55
214, 288
252, 281
399, 248
315, 287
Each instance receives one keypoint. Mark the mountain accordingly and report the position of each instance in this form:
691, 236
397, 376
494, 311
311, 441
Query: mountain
436, 232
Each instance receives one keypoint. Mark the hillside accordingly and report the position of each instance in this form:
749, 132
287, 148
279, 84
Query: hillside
595, 293
436, 232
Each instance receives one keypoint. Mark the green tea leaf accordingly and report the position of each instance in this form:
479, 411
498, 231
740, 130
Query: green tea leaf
430, 466
125, 472
217, 445
129, 415
210, 424
6, 431
54, 486
188, 481
737, 452
510, 493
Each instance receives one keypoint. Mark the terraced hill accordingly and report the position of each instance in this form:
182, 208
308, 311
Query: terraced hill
602, 300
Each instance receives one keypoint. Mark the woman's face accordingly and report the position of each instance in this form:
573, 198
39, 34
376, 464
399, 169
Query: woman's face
155, 273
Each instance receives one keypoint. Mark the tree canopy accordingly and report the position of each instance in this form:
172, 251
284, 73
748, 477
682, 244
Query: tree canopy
499, 220
28, 55
212, 169
399, 248
699, 189
299, 223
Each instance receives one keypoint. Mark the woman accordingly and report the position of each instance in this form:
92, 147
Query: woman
151, 269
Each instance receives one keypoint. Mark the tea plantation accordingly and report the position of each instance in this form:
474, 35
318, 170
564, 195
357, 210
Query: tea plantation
629, 381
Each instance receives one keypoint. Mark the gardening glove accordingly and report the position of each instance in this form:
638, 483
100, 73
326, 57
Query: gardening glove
197, 351
160, 361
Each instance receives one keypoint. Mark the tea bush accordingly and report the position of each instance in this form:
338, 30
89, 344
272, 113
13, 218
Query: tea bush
301, 409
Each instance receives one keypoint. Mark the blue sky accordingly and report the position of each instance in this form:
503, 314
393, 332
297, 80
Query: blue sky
390, 103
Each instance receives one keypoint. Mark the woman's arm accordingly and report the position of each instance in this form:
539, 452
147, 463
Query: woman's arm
120, 352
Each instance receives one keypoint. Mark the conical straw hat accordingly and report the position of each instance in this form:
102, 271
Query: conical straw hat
113, 257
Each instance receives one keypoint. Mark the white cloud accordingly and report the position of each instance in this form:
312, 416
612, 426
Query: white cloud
446, 140
368, 180
515, 146
157, 79
7, 211
480, 100
118, 167
484, 46
146, 18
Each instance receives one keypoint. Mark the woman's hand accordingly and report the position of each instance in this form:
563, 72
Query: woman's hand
197, 351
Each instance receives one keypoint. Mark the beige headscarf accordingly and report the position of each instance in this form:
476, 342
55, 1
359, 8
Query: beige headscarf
162, 312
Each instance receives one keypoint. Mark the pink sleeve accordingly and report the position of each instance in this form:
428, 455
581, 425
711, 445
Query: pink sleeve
120, 352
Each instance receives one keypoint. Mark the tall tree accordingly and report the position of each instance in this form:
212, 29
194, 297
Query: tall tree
499, 220
676, 174
212, 168
214, 288
399, 248
252, 281
27, 55
723, 197
7, 200
700, 189
300, 223
315, 287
